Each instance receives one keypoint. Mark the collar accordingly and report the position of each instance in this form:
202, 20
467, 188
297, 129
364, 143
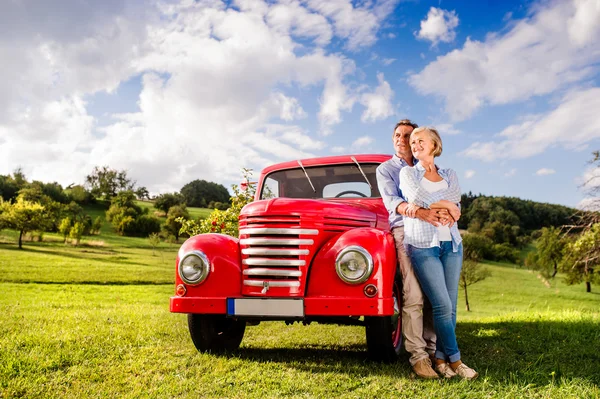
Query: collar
403, 161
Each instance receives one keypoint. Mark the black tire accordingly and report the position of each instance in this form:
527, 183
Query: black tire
215, 333
384, 334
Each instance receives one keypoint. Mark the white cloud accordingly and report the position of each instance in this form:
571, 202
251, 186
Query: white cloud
545, 172
447, 129
469, 174
555, 46
438, 26
378, 103
362, 141
358, 25
511, 173
215, 89
388, 61
575, 121
338, 149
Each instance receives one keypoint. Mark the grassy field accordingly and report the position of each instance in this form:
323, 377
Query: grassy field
93, 321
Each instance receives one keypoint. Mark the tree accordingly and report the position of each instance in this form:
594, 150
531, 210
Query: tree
64, 228
128, 218
549, 252
76, 233
8, 188
154, 240
142, 193
164, 202
472, 271
225, 222
173, 223
582, 257
200, 193
24, 216
107, 183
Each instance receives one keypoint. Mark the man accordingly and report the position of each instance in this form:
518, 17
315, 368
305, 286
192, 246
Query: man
417, 321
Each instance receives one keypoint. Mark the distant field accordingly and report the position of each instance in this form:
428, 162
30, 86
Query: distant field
93, 321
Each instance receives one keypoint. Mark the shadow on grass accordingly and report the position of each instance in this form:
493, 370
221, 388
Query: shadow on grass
91, 256
523, 353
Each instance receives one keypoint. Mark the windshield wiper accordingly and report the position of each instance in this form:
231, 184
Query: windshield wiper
361, 171
306, 174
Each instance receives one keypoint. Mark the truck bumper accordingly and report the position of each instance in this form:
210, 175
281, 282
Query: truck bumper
322, 306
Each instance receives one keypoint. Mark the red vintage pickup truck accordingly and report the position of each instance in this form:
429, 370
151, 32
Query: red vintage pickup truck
314, 246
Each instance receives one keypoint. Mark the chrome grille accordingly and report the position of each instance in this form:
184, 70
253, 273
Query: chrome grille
274, 256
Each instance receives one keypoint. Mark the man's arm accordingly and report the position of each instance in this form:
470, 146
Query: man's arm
389, 191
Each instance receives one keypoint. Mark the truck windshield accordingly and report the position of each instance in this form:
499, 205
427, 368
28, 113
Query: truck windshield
329, 181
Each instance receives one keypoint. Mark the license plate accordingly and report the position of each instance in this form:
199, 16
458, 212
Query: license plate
265, 307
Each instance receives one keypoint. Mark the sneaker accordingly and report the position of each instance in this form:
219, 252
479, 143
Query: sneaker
466, 372
423, 369
445, 370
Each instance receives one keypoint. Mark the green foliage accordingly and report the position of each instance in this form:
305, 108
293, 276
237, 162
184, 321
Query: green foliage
97, 225
76, 232
218, 205
8, 188
164, 202
225, 222
173, 223
24, 216
79, 195
549, 252
510, 220
65, 227
477, 246
154, 241
582, 258
130, 219
200, 193
106, 183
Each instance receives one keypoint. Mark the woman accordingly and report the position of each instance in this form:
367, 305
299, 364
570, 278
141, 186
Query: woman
435, 251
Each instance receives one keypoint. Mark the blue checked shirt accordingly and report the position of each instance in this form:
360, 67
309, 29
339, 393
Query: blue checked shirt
417, 232
388, 182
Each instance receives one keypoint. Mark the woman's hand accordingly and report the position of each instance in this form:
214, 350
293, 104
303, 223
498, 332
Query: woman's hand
452, 208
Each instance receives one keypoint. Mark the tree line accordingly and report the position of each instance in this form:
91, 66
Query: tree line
37, 207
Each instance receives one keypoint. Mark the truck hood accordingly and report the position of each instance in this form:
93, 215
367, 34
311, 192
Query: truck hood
366, 210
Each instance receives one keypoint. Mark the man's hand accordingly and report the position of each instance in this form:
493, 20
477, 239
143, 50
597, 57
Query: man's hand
435, 217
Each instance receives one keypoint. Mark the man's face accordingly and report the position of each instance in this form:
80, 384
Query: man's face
401, 141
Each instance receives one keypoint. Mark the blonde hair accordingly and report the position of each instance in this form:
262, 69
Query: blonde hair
434, 136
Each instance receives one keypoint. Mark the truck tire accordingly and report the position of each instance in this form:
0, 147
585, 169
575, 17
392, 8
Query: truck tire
215, 333
384, 334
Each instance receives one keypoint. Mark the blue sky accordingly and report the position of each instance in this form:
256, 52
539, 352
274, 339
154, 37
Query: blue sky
174, 91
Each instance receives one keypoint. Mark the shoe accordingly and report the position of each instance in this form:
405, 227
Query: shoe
423, 369
466, 372
445, 370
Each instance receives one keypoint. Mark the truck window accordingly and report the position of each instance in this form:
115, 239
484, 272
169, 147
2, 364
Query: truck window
325, 181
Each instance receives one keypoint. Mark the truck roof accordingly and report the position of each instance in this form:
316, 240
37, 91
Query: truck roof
330, 160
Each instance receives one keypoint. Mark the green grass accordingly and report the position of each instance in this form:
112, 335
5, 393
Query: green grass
94, 322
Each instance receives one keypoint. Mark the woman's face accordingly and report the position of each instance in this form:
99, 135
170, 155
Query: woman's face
421, 145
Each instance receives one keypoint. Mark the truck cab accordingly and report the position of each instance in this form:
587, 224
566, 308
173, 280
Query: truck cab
313, 246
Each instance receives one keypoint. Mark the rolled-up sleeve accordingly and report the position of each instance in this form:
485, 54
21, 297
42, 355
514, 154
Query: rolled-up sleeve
388, 189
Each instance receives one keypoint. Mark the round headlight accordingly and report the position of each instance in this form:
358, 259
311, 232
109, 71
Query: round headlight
194, 267
354, 264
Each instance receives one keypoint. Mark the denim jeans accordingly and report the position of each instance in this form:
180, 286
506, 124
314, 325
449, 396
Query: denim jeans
438, 271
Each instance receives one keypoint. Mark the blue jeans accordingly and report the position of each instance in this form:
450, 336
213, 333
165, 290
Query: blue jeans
438, 271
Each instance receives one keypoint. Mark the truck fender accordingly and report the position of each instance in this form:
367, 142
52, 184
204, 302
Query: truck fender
323, 279
223, 253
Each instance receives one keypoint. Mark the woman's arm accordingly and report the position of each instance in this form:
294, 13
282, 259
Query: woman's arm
451, 207
414, 193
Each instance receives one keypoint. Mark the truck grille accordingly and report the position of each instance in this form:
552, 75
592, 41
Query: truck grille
274, 257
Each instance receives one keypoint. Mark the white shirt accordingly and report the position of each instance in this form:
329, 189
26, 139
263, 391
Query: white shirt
432, 187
